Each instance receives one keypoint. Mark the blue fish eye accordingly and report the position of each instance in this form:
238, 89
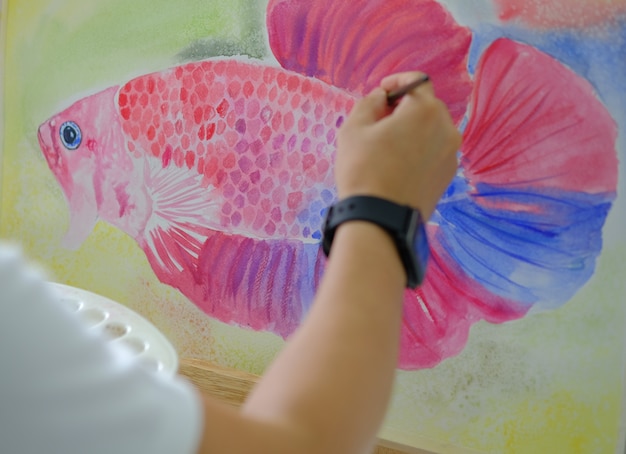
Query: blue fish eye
70, 135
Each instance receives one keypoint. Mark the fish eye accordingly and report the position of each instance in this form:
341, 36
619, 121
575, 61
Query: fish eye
70, 135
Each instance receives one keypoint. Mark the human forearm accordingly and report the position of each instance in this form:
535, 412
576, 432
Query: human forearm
344, 355
328, 390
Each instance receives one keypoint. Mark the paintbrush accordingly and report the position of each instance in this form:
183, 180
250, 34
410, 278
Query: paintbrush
393, 97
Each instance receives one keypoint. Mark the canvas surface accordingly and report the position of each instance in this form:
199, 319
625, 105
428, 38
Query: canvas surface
178, 158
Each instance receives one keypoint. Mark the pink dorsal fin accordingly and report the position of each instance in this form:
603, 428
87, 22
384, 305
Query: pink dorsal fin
353, 45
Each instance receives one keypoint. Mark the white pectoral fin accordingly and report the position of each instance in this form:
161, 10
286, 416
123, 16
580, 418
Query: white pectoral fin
183, 215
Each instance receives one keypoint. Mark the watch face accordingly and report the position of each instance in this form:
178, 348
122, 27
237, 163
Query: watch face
420, 245
419, 252
327, 232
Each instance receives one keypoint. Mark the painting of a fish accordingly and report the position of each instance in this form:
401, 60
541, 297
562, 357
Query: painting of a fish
221, 170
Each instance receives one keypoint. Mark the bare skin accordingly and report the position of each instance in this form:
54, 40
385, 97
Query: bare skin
328, 390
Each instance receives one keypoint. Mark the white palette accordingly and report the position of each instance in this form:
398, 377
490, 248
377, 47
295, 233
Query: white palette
120, 325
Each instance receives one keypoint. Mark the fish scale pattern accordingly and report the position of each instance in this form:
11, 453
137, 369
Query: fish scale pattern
262, 137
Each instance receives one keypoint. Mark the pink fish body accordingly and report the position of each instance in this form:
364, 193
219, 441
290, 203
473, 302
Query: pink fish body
217, 150
259, 140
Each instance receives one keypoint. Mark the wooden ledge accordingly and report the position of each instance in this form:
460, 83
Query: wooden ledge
228, 385
232, 386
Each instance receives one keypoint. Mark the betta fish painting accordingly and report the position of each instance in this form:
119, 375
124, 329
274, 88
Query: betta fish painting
221, 171
212, 166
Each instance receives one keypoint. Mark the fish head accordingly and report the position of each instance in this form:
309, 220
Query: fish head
74, 142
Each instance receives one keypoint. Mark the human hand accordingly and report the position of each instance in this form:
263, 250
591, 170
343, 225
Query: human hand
405, 154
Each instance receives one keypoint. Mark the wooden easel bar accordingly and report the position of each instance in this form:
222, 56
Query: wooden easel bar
232, 387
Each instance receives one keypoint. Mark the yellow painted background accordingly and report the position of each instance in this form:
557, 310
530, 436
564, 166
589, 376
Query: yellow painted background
550, 383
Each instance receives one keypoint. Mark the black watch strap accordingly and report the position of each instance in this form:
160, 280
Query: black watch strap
403, 223
390, 216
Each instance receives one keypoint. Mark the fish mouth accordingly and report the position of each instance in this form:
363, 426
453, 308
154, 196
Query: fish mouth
54, 158
44, 136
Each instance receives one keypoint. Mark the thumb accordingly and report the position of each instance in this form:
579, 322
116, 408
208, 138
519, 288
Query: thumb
370, 108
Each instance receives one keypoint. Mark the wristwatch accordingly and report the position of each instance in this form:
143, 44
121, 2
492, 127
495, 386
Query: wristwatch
403, 223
